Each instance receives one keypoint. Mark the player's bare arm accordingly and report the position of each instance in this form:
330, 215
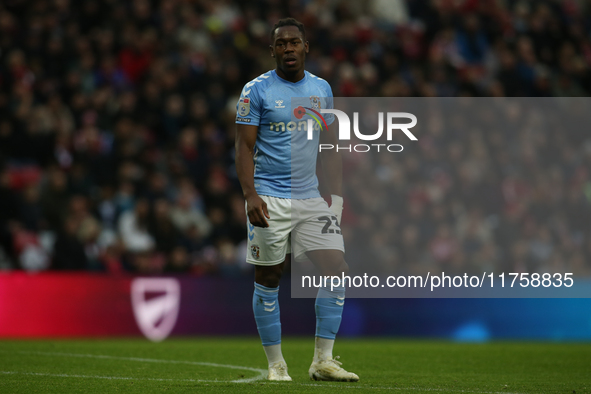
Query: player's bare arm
256, 208
331, 161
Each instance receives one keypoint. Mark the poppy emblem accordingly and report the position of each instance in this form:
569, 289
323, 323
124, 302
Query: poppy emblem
299, 112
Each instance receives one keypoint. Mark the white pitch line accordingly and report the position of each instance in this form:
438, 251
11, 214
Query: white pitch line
63, 375
351, 386
262, 373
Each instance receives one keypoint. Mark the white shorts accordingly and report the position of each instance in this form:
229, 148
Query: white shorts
295, 226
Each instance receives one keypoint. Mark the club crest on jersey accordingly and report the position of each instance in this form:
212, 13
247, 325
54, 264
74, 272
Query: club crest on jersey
255, 252
315, 102
244, 106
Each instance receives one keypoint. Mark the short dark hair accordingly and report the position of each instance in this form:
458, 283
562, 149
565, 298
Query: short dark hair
288, 22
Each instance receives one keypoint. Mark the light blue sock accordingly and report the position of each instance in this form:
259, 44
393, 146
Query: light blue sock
329, 310
266, 314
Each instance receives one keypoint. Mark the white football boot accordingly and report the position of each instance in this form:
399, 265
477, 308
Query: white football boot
331, 370
278, 372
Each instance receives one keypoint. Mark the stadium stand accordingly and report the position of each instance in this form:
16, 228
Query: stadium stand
117, 128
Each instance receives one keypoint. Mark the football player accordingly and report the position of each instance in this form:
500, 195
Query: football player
283, 203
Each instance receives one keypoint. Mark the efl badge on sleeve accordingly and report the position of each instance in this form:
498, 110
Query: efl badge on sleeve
255, 252
244, 106
315, 102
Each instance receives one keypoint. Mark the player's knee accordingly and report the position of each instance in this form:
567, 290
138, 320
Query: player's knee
268, 276
344, 267
336, 266
340, 267
329, 262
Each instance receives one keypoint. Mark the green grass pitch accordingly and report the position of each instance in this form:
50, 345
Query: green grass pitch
227, 365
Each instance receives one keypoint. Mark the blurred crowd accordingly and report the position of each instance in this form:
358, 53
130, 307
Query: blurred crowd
491, 185
117, 125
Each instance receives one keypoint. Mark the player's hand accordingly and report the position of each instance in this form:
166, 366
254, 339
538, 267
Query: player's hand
336, 206
257, 212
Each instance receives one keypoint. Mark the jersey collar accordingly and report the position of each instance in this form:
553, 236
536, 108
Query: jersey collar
301, 81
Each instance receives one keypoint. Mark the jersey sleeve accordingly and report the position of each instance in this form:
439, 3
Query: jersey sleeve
249, 106
329, 104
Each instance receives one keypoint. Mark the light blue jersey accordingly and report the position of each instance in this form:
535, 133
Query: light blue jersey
284, 159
